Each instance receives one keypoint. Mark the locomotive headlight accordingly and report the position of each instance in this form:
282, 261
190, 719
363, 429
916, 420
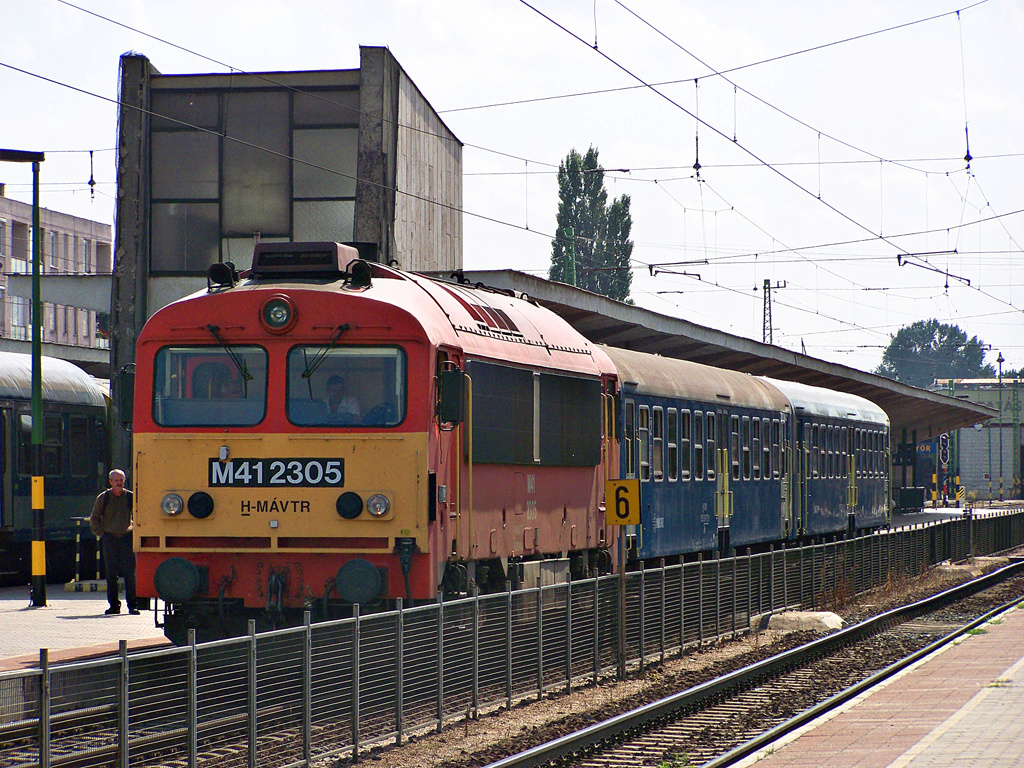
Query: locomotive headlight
171, 504
278, 314
378, 505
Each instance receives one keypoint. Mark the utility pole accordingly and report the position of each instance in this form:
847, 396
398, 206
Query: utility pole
38, 506
766, 334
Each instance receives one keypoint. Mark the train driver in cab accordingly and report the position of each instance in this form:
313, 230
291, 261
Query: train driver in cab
340, 405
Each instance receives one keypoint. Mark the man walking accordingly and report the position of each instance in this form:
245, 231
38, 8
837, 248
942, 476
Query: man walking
111, 521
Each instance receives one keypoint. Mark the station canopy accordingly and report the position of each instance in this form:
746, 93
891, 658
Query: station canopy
912, 412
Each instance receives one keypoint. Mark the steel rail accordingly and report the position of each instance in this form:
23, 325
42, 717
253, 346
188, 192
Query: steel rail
587, 738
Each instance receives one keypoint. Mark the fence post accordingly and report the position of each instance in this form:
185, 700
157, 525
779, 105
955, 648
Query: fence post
399, 671
44, 708
307, 687
540, 641
597, 628
568, 634
750, 589
682, 606
508, 644
718, 597
700, 598
192, 705
475, 697
643, 611
251, 704
440, 662
355, 682
661, 564
122, 705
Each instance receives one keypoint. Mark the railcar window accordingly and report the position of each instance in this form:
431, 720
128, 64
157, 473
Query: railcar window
82, 454
844, 467
711, 457
755, 448
734, 445
831, 436
745, 443
346, 386
808, 451
629, 438
672, 443
643, 436
776, 449
658, 443
684, 445
822, 452
698, 445
766, 449
53, 444
206, 386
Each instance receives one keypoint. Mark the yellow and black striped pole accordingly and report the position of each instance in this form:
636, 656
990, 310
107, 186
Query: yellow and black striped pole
38, 507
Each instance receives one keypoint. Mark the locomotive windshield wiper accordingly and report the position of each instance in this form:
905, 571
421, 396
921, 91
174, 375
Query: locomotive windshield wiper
322, 353
243, 369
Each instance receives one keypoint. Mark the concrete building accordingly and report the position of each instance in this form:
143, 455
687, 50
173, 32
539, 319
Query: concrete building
209, 165
976, 450
70, 246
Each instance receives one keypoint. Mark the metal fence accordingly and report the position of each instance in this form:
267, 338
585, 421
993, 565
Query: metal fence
288, 697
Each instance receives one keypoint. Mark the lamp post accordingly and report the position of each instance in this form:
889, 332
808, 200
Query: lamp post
38, 509
1000, 360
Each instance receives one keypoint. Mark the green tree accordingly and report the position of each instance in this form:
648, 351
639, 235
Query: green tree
591, 249
927, 350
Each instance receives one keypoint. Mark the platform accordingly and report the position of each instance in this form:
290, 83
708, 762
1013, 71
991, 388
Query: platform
960, 706
72, 625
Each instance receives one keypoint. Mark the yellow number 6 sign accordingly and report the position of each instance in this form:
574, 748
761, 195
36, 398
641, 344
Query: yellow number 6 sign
622, 502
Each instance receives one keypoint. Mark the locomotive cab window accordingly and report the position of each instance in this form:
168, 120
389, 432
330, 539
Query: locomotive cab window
206, 386
346, 386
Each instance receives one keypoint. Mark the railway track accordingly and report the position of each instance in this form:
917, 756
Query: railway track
723, 720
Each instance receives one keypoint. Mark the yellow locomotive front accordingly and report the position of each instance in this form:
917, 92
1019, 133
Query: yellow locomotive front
281, 453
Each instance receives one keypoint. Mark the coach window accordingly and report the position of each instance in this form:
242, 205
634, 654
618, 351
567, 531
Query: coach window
734, 445
766, 449
698, 445
629, 438
710, 455
745, 443
643, 438
822, 451
809, 451
53, 445
81, 457
672, 443
755, 448
831, 437
685, 458
844, 464
206, 386
776, 449
658, 443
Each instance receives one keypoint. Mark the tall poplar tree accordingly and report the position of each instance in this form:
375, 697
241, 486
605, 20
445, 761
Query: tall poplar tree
591, 249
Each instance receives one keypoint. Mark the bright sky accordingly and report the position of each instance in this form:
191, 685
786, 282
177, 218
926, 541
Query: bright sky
831, 139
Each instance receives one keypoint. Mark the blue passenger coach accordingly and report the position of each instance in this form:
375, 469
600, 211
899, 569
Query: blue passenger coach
841, 461
709, 448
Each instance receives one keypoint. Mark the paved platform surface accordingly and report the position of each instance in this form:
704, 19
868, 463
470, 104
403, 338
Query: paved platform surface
961, 707
71, 625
